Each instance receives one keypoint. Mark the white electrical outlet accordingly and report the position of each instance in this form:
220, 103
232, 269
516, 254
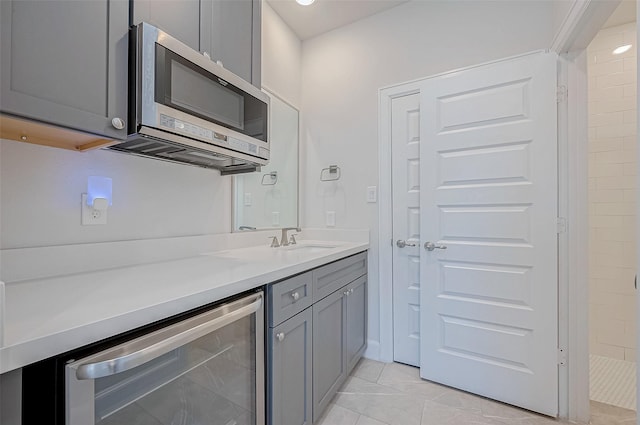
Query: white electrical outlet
331, 219
248, 199
372, 194
92, 216
275, 218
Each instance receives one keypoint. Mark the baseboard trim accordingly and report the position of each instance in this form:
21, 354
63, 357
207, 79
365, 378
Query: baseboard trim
372, 352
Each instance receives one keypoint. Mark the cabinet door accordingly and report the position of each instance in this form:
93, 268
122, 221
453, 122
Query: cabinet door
178, 18
329, 342
230, 32
64, 62
356, 301
290, 371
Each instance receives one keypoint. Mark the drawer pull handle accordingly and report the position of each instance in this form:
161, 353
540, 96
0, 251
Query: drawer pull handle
280, 336
295, 296
148, 347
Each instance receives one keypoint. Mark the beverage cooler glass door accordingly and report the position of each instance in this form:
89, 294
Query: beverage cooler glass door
208, 369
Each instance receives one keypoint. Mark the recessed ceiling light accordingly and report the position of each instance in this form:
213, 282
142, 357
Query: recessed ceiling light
622, 49
305, 2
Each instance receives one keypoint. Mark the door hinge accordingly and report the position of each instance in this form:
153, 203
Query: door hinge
562, 225
561, 94
562, 356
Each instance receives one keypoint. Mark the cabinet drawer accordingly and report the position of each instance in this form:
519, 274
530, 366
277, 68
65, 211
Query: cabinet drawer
288, 298
334, 276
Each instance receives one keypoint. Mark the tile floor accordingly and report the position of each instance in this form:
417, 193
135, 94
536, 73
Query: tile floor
612, 381
393, 394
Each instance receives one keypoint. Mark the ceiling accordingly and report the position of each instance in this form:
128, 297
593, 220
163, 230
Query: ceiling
623, 14
325, 15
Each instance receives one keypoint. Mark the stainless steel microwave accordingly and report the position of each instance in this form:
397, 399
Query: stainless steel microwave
186, 108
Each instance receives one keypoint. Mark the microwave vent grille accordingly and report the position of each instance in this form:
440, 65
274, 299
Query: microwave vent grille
175, 152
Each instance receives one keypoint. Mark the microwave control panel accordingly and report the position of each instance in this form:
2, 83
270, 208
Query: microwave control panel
185, 127
204, 134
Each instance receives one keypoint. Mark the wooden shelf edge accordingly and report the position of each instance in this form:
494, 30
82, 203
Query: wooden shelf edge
37, 133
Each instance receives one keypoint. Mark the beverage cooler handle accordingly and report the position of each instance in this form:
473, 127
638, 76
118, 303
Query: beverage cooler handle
153, 345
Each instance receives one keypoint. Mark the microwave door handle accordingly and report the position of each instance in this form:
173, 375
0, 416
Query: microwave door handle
148, 347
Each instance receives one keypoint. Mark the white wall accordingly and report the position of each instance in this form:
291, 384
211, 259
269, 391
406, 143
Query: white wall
40, 187
342, 71
281, 57
612, 193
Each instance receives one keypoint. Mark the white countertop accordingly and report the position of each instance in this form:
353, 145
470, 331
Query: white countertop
49, 316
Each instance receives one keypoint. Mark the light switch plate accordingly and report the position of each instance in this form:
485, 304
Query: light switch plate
275, 218
372, 194
331, 219
248, 199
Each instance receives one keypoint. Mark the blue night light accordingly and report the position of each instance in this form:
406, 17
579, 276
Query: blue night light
99, 187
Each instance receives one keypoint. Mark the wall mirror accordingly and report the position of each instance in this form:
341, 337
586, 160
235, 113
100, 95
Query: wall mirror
269, 198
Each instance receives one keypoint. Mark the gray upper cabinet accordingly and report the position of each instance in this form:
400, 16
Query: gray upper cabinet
230, 32
227, 30
65, 63
178, 18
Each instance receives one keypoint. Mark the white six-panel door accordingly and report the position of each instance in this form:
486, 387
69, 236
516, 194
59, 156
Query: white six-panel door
405, 160
488, 154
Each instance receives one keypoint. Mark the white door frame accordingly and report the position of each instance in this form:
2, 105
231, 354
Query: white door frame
583, 21
385, 212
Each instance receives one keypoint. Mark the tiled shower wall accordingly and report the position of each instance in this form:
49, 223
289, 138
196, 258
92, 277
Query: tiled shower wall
612, 193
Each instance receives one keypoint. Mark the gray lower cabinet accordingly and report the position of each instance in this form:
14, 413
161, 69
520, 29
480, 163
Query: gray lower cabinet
339, 340
313, 346
356, 318
65, 62
290, 371
329, 343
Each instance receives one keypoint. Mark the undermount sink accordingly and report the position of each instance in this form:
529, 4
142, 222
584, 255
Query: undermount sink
310, 248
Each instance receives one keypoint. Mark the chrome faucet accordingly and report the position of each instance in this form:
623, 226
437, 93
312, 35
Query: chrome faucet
283, 239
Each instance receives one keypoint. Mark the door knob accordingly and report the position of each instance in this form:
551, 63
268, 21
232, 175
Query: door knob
430, 246
401, 244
